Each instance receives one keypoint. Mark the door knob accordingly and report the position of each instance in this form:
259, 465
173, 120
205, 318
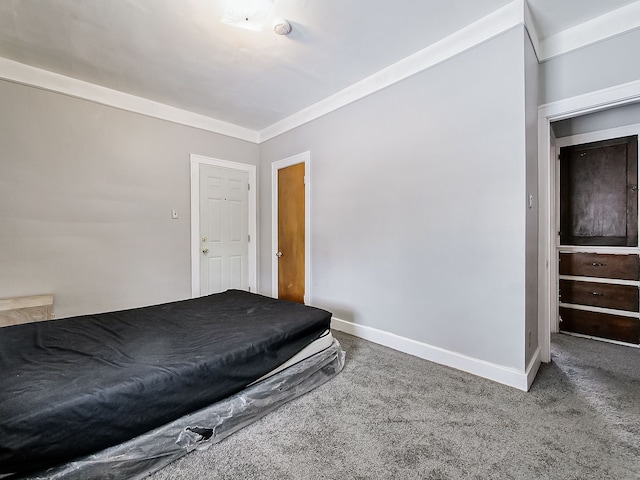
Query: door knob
279, 254
205, 251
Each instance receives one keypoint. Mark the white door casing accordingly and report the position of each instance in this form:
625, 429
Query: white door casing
305, 158
223, 226
547, 240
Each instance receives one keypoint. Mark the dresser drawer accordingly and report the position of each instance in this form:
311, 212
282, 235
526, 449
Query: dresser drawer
605, 295
600, 265
614, 327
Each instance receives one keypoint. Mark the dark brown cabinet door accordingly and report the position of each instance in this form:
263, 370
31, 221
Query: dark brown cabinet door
599, 193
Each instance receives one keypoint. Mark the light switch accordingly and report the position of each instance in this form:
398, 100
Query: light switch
174, 213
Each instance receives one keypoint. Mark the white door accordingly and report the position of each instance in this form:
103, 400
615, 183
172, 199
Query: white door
224, 229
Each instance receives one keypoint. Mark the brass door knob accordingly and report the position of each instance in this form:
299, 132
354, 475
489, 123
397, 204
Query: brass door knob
279, 254
205, 251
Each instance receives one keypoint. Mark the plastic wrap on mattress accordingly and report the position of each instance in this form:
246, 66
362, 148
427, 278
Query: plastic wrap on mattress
151, 451
75, 386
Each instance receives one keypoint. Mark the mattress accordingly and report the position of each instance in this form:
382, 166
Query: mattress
322, 343
72, 387
200, 430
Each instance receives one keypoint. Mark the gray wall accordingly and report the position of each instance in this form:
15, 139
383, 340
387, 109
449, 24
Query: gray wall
594, 67
418, 211
602, 120
531, 71
85, 198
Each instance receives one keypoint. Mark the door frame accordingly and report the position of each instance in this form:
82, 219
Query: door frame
304, 157
547, 180
196, 161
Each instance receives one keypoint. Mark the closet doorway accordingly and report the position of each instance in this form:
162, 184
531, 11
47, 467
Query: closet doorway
598, 267
548, 171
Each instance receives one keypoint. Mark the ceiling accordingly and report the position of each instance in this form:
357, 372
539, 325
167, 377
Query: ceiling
178, 53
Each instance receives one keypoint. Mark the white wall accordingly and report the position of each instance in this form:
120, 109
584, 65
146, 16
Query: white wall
594, 67
85, 198
418, 205
531, 71
602, 120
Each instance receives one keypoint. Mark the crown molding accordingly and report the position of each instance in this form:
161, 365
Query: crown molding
511, 15
600, 28
609, 97
54, 82
474, 34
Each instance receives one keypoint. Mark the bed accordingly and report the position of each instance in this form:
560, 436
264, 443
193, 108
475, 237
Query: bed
121, 394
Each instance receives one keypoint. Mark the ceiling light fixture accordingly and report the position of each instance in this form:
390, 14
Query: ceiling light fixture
248, 14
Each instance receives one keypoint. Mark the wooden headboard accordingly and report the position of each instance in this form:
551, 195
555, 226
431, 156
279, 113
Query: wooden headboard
35, 308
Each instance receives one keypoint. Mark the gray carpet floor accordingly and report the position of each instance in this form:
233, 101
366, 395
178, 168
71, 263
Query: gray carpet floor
389, 415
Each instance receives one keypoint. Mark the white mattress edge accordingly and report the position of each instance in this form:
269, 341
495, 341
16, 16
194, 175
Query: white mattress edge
318, 345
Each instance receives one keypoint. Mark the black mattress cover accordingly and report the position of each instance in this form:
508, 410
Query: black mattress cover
74, 386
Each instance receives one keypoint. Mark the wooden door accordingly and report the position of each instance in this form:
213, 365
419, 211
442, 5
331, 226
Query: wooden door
599, 193
291, 231
224, 225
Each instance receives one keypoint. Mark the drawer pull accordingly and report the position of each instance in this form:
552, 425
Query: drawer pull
597, 294
596, 264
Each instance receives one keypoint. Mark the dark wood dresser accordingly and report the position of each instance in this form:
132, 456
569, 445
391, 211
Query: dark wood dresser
599, 295
598, 240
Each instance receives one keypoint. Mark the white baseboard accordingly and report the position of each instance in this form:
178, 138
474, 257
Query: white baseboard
521, 380
532, 368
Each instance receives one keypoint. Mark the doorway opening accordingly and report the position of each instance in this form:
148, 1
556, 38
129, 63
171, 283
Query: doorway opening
602, 100
597, 243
